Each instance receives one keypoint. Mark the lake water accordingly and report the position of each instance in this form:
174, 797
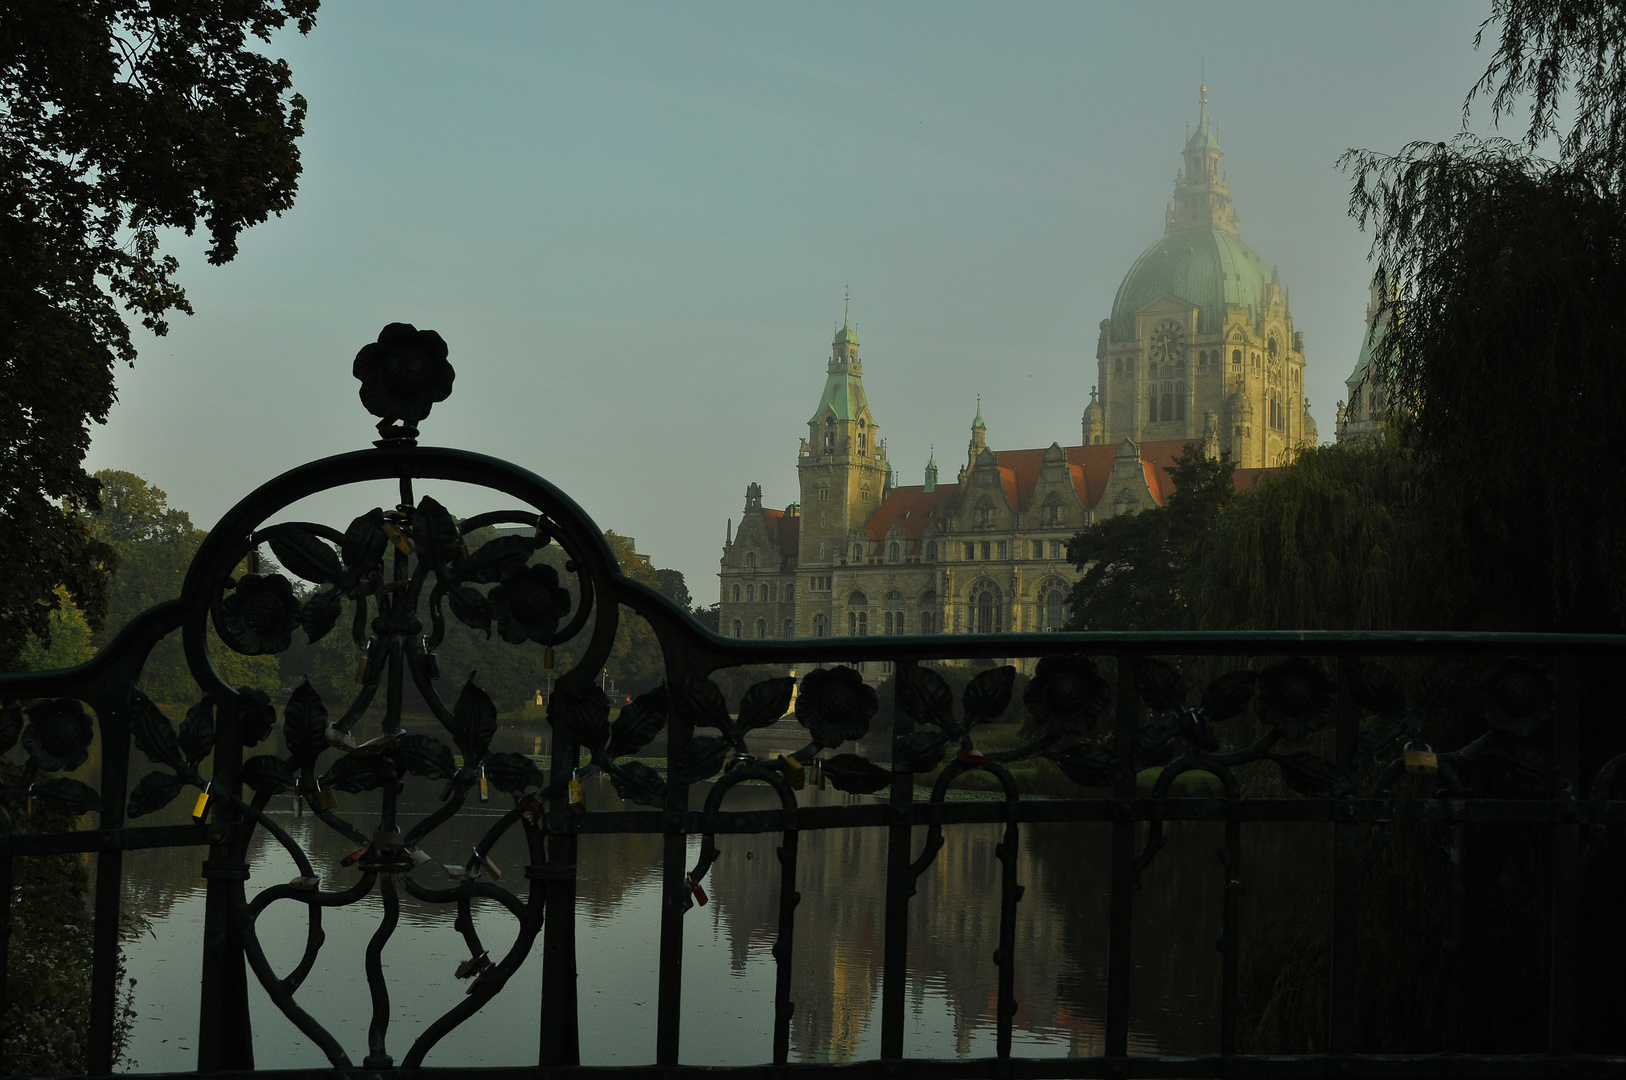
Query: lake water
728, 966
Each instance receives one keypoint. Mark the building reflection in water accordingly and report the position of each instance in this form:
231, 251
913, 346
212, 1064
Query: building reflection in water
729, 970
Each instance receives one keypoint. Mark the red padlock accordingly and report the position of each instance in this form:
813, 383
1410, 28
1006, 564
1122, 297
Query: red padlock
970, 757
352, 858
699, 894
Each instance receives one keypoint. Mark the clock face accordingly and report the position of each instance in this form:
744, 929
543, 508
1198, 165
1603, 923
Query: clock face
1168, 342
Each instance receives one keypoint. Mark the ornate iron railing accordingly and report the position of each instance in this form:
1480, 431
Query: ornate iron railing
395, 569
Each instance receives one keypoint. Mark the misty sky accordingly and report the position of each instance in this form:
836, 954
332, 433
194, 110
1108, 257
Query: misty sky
634, 224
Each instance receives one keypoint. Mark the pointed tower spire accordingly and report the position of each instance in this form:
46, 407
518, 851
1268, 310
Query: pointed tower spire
977, 423
931, 471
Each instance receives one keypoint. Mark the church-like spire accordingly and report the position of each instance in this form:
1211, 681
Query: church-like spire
977, 423
931, 471
1202, 197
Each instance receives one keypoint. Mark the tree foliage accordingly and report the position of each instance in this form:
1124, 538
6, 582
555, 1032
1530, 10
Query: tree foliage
1337, 540
121, 119
1137, 568
1510, 296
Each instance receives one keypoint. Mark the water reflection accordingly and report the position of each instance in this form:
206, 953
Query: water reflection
728, 966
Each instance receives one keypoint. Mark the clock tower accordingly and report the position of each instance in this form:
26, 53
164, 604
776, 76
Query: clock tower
1200, 327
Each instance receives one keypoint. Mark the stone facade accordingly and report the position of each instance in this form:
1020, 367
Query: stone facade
1200, 349
1368, 403
1201, 336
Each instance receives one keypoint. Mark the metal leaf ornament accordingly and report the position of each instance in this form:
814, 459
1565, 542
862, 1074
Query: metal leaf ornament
403, 374
1296, 697
1066, 695
258, 617
836, 705
58, 735
1518, 697
529, 603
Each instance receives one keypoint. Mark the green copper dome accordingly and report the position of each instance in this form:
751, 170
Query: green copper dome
845, 336
1207, 268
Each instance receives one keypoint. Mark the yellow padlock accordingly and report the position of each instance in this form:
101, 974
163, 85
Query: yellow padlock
200, 809
397, 539
794, 772
1422, 761
324, 798
485, 789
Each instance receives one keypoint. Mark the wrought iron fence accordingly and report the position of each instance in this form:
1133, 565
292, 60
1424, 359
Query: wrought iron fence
1102, 707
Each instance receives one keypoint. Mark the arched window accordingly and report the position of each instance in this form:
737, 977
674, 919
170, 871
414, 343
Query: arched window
1236, 357
790, 627
1179, 401
931, 551
857, 624
858, 551
821, 626
863, 494
738, 626
862, 438
889, 629
1051, 609
925, 622
1118, 366
762, 628
1151, 408
985, 610
1168, 403
750, 592
750, 560
736, 596
892, 551
790, 593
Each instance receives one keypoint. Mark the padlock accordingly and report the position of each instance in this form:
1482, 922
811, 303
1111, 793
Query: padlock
474, 965
388, 839
200, 809
397, 538
696, 890
968, 756
547, 657
485, 788
355, 856
324, 798
794, 772
531, 808
431, 666
818, 770
491, 867
341, 740
419, 856
578, 802
1422, 761
455, 872
304, 884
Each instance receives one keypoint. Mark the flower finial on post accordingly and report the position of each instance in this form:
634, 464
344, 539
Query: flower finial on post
402, 375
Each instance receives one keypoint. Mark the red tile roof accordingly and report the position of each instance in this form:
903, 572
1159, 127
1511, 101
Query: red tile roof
912, 509
784, 530
1089, 466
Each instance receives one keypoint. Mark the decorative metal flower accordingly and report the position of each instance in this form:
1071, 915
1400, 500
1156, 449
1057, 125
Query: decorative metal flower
1066, 695
528, 603
58, 735
256, 716
1518, 697
403, 373
259, 615
835, 705
1296, 697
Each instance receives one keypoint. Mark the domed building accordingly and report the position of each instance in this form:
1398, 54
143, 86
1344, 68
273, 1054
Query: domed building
1200, 349
1201, 339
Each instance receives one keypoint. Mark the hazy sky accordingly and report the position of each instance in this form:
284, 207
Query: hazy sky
634, 224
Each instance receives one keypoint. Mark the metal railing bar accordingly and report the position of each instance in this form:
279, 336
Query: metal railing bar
1566, 866
1097, 809
1241, 1067
1345, 878
1121, 911
900, 886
